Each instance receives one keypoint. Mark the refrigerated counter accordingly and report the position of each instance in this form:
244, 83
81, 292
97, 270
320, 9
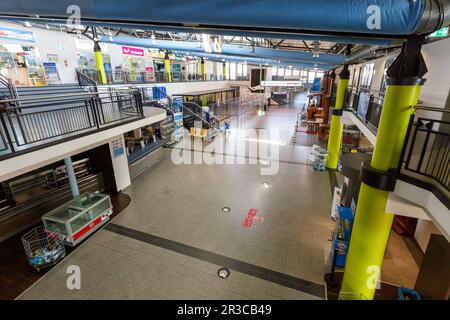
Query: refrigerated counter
78, 218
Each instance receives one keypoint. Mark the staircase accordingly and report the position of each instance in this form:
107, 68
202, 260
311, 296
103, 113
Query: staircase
280, 97
193, 112
65, 95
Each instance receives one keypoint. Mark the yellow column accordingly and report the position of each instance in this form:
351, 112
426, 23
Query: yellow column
167, 67
372, 225
99, 63
202, 69
335, 137
224, 71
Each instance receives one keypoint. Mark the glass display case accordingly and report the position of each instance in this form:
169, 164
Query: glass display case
78, 218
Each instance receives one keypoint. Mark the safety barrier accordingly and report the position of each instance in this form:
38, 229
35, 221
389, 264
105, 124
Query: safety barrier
27, 128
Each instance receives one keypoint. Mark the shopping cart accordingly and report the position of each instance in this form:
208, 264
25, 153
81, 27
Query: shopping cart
43, 249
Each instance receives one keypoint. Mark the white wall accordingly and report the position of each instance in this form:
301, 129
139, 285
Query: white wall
15, 166
52, 42
423, 233
63, 45
436, 88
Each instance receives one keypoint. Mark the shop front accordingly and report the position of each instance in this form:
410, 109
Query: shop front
22, 64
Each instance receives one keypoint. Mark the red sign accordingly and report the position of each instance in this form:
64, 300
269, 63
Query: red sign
251, 216
87, 228
133, 51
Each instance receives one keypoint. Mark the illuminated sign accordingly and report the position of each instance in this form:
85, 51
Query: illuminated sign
133, 51
440, 33
292, 83
16, 34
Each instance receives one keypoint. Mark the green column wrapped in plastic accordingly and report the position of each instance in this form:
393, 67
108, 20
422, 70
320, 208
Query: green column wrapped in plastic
334, 140
372, 225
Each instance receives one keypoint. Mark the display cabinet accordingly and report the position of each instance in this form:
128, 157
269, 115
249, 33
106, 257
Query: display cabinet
78, 218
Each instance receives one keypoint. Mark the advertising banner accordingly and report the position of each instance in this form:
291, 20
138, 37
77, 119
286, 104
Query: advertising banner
133, 51
16, 34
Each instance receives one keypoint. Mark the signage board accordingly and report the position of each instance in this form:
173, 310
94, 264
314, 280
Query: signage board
440, 33
292, 83
16, 34
133, 51
117, 146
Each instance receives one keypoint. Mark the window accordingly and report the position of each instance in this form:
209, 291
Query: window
288, 72
274, 71
319, 74
239, 69
386, 66
304, 74
367, 75
295, 72
280, 72
311, 76
232, 71
244, 70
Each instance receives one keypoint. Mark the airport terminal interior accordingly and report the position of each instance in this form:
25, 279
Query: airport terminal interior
210, 150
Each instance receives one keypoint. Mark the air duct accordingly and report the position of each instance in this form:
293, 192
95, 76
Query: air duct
229, 49
337, 17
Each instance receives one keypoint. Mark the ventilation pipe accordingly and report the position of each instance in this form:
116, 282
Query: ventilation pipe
230, 49
337, 17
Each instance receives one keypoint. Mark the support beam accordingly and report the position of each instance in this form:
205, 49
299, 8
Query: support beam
372, 225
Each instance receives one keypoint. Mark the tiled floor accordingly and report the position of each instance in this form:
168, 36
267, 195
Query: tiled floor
174, 237
182, 204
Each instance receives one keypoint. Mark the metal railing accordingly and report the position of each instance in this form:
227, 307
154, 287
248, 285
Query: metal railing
128, 77
87, 81
193, 109
373, 113
25, 128
427, 148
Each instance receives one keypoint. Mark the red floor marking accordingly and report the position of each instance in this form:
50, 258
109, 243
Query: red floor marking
251, 216
258, 219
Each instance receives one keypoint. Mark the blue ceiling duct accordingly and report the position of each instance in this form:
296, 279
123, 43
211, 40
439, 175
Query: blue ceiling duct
252, 60
397, 17
229, 49
346, 39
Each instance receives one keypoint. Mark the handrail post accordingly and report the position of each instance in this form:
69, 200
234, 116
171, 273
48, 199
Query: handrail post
8, 136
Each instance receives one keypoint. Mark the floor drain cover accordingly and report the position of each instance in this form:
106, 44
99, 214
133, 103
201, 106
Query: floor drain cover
226, 209
223, 272
265, 184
